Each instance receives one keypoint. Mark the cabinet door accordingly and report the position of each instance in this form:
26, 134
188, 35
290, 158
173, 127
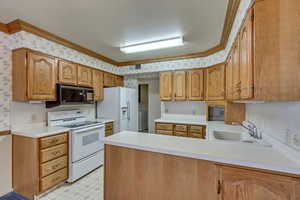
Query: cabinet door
179, 84
41, 77
215, 82
85, 76
67, 72
229, 90
109, 80
119, 81
242, 184
195, 82
165, 86
246, 63
98, 85
236, 83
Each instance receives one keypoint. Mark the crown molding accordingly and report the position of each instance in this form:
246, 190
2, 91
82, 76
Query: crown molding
231, 12
19, 25
180, 57
3, 28
2, 133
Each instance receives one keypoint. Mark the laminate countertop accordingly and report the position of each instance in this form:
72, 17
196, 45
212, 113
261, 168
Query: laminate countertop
40, 131
246, 155
181, 121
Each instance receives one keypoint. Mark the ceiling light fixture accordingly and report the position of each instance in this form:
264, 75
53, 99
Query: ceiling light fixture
161, 44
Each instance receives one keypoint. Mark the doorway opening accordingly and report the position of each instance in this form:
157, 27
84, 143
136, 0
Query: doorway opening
143, 107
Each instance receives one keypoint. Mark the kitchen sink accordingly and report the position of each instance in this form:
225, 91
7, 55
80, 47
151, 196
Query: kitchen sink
220, 135
237, 137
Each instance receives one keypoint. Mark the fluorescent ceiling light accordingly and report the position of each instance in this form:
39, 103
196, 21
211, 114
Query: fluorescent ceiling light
161, 44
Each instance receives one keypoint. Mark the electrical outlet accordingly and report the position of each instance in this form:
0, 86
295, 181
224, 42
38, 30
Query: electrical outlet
33, 118
296, 141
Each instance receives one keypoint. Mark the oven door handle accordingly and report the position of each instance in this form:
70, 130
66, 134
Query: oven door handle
88, 129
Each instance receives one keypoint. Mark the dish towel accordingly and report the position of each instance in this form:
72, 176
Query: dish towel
13, 196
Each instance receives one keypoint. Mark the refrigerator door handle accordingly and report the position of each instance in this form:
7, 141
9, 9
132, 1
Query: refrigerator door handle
128, 110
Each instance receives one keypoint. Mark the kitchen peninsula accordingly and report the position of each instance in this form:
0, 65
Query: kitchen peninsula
152, 166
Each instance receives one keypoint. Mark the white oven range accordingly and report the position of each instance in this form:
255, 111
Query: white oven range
85, 145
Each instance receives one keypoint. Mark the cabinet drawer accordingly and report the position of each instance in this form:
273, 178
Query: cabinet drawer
194, 128
52, 166
53, 152
161, 126
109, 126
180, 128
163, 132
53, 140
183, 134
108, 133
196, 135
53, 179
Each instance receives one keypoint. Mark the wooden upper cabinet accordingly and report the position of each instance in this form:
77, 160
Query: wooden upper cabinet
246, 58
109, 80
85, 77
165, 83
41, 77
236, 82
34, 76
67, 72
98, 85
215, 82
276, 50
229, 78
195, 83
240, 184
179, 85
119, 81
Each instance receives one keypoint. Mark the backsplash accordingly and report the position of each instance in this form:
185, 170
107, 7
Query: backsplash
277, 119
24, 114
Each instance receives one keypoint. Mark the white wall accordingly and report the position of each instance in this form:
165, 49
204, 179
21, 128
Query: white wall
153, 102
5, 165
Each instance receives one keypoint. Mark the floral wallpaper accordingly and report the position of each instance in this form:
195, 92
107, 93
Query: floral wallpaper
5, 83
31, 41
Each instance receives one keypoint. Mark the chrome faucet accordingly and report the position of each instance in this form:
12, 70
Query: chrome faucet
253, 130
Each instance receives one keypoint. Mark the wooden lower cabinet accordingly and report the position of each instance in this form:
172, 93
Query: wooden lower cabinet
185, 130
109, 129
244, 184
39, 163
143, 175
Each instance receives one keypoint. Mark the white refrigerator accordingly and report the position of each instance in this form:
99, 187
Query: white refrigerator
121, 105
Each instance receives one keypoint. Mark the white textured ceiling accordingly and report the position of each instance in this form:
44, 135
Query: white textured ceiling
105, 25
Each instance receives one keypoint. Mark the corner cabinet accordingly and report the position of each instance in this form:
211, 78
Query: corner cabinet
34, 76
244, 184
166, 86
215, 82
85, 77
67, 72
98, 85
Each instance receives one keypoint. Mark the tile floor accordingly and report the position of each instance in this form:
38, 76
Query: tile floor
89, 187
